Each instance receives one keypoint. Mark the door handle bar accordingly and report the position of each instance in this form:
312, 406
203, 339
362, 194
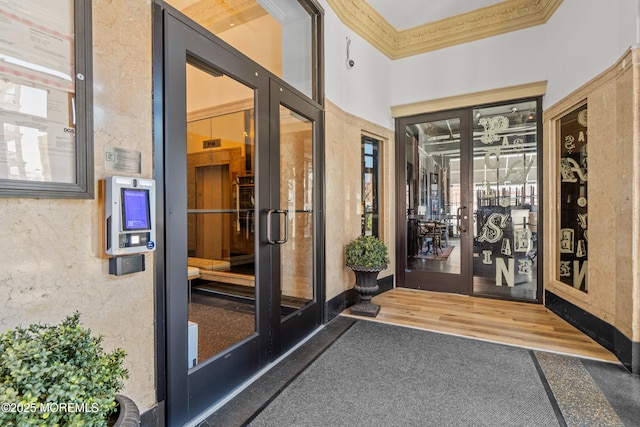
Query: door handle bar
286, 227
460, 227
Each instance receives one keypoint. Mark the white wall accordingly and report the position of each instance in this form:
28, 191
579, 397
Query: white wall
585, 38
363, 90
499, 61
582, 39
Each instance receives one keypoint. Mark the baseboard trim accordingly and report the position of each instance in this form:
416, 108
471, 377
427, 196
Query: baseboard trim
153, 417
346, 299
627, 351
605, 334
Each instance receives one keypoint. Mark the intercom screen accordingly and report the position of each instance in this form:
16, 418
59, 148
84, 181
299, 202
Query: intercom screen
135, 209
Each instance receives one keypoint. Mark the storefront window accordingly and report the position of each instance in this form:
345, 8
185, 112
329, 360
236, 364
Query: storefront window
573, 199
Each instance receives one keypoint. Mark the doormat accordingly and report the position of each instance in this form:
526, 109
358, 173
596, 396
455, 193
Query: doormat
381, 375
442, 255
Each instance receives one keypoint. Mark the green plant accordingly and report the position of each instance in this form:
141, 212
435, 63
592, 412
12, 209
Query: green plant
367, 251
58, 376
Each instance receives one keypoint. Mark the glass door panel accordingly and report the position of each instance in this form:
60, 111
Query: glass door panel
505, 202
215, 312
437, 181
220, 220
296, 200
296, 193
436, 245
241, 197
277, 34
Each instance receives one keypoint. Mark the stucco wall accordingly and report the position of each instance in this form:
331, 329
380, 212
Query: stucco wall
52, 261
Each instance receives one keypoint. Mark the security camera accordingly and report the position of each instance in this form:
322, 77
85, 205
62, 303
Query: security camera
349, 62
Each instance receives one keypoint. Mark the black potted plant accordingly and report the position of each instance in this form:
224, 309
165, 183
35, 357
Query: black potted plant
59, 375
366, 256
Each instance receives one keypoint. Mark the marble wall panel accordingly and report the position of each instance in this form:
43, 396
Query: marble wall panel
627, 306
601, 186
343, 182
613, 196
634, 126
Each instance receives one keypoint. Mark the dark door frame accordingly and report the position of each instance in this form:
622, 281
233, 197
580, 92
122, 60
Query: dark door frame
189, 392
401, 215
290, 330
439, 282
176, 41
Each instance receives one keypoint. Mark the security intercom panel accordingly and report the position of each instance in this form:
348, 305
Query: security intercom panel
130, 215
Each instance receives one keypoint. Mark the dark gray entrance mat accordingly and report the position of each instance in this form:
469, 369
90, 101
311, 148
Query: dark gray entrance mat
383, 375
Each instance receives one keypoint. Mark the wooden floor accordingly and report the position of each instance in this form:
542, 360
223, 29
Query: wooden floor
514, 323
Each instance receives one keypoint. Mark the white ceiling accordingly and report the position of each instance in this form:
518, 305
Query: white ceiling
403, 14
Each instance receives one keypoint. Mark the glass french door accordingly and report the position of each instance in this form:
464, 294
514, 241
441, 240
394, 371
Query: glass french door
241, 202
506, 206
433, 190
468, 186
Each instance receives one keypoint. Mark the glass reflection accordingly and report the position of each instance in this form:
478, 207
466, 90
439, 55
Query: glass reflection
37, 138
276, 34
296, 198
220, 220
370, 185
37, 92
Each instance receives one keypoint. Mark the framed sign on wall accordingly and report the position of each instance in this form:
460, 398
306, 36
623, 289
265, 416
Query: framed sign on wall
46, 131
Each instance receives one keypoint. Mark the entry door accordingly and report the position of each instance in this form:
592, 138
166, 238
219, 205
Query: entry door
241, 208
293, 229
433, 195
468, 186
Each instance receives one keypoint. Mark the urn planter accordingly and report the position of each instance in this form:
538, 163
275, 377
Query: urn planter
127, 415
366, 286
366, 256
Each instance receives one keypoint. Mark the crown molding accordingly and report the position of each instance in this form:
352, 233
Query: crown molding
500, 18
